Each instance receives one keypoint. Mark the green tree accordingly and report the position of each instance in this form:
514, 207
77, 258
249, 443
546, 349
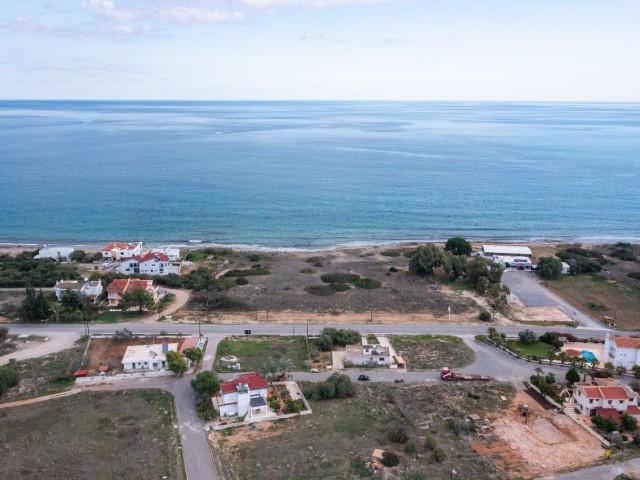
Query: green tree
458, 246
572, 376
77, 256
621, 370
426, 258
176, 362
72, 300
563, 356
4, 333
56, 310
438, 455
492, 332
549, 268
636, 371
527, 337
194, 354
206, 382
628, 422
284, 366
268, 370
609, 367
138, 298
325, 344
594, 363
538, 371
34, 308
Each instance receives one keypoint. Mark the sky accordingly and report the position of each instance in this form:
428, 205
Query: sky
470, 50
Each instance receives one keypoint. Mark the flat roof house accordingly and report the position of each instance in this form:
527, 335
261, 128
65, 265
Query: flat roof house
147, 357
60, 254
367, 354
244, 395
506, 251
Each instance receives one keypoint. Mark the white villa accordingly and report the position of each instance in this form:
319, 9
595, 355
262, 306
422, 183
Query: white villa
607, 397
147, 357
367, 354
149, 264
506, 251
245, 395
118, 251
91, 290
172, 252
60, 254
623, 351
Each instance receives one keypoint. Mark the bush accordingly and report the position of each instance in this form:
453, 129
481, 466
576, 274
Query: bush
368, 283
308, 270
342, 337
339, 287
635, 275
336, 386
393, 269
390, 253
438, 455
320, 290
325, 343
9, 377
527, 337
340, 277
549, 268
410, 447
317, 261
254, 257
206, 382
4, 332
274, 404
551, 338
458, 246
606, 424
241, 281
390, 459
430, 443
485, 316
398, 435
247, 272
628, 422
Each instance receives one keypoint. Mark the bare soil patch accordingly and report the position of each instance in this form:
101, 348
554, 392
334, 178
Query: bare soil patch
543, 443
124, 435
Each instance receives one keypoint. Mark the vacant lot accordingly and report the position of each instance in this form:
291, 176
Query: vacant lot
107, 351
46, 375
599, 297
253, 351
538, 349
432, 352
540, 444
333, 442
107, 435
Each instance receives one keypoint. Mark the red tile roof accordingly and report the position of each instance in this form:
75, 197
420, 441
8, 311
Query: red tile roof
188, 342
611, 413
123, 285
253, 380
151, 256
626, 342
120, 246
573, 353
608, 393
633, 410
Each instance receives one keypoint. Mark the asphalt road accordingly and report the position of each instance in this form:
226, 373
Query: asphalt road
526, 286
602, 472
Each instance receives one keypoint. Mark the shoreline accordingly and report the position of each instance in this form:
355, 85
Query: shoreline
355, 245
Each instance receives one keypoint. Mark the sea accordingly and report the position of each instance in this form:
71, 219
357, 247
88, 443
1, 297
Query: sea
317, 175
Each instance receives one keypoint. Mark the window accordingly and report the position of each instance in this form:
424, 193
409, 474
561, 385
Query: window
610, 402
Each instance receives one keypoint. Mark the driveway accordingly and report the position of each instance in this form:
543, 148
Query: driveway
526, 286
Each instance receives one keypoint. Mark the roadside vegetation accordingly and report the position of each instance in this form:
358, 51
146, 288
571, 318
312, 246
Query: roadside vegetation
23, 270
81, 435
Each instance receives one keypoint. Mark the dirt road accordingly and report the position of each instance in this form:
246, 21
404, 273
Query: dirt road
182, 297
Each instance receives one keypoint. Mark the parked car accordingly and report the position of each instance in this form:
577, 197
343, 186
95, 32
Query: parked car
363, 378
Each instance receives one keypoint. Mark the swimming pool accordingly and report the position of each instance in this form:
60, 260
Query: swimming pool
588, 356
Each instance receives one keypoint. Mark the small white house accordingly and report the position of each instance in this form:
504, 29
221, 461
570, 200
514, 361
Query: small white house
147, 357
367, 354
118, 251
622, 351
172, 252
506, 251
244, 395
90, 290
60, 254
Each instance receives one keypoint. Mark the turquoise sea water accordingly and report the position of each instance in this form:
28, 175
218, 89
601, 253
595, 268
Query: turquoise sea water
318, 174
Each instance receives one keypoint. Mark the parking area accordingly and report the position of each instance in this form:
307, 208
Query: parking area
526, 286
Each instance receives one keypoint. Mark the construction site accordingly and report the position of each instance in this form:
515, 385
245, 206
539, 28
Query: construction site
531, 439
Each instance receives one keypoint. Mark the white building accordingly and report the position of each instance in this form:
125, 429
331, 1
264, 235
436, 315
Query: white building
60, 254
367, 354
149, 264
172, 252
623, 351
506, 251
514, 263
118, 251
604, 397
245, 395
90, 290
147, 357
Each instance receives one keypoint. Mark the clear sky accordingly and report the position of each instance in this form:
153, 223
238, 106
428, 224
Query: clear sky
558, 50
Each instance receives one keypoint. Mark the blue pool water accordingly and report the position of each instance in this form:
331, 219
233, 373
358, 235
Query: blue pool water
587, 355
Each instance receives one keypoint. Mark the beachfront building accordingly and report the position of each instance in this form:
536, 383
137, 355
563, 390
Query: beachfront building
367, 355
119, 251
606, 397
147, 357
514, 251
244, 395
149, 264
172, 252
622, 351
514, 263
90, 290
119, 287
59, 254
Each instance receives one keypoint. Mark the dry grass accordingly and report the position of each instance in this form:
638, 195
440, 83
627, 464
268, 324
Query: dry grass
432, 352
107, 435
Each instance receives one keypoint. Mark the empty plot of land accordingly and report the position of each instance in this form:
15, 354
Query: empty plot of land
252, 352
123, 435
432, 352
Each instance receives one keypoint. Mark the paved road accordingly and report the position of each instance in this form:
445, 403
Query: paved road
526, 286
57, 341
603, 472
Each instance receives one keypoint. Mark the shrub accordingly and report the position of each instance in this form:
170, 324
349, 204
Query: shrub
308, 270
628, 422
606, 424
316, 260
325, 343
551, 338
320, 290
294, 406
410, 447
339, 287
438, 455
341, 336
368, 283
254, 257
274, 404
247, 272
390, 253
458, 246
430, 443
9, 377
485, 316
206, 382
549, 268
336, 386
241, 281
4, 332
527, 337
393, 269
390, 459
339, 277
398, 435
635, 275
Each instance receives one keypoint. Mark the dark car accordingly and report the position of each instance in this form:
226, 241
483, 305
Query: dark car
363, 378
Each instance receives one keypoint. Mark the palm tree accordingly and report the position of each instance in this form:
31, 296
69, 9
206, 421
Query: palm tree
56, 309
539, 371
584, 372
492, 332
594, 363
284, 365
621, 370
609, 367
563, 356
268, 369
551, 354
636, 371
